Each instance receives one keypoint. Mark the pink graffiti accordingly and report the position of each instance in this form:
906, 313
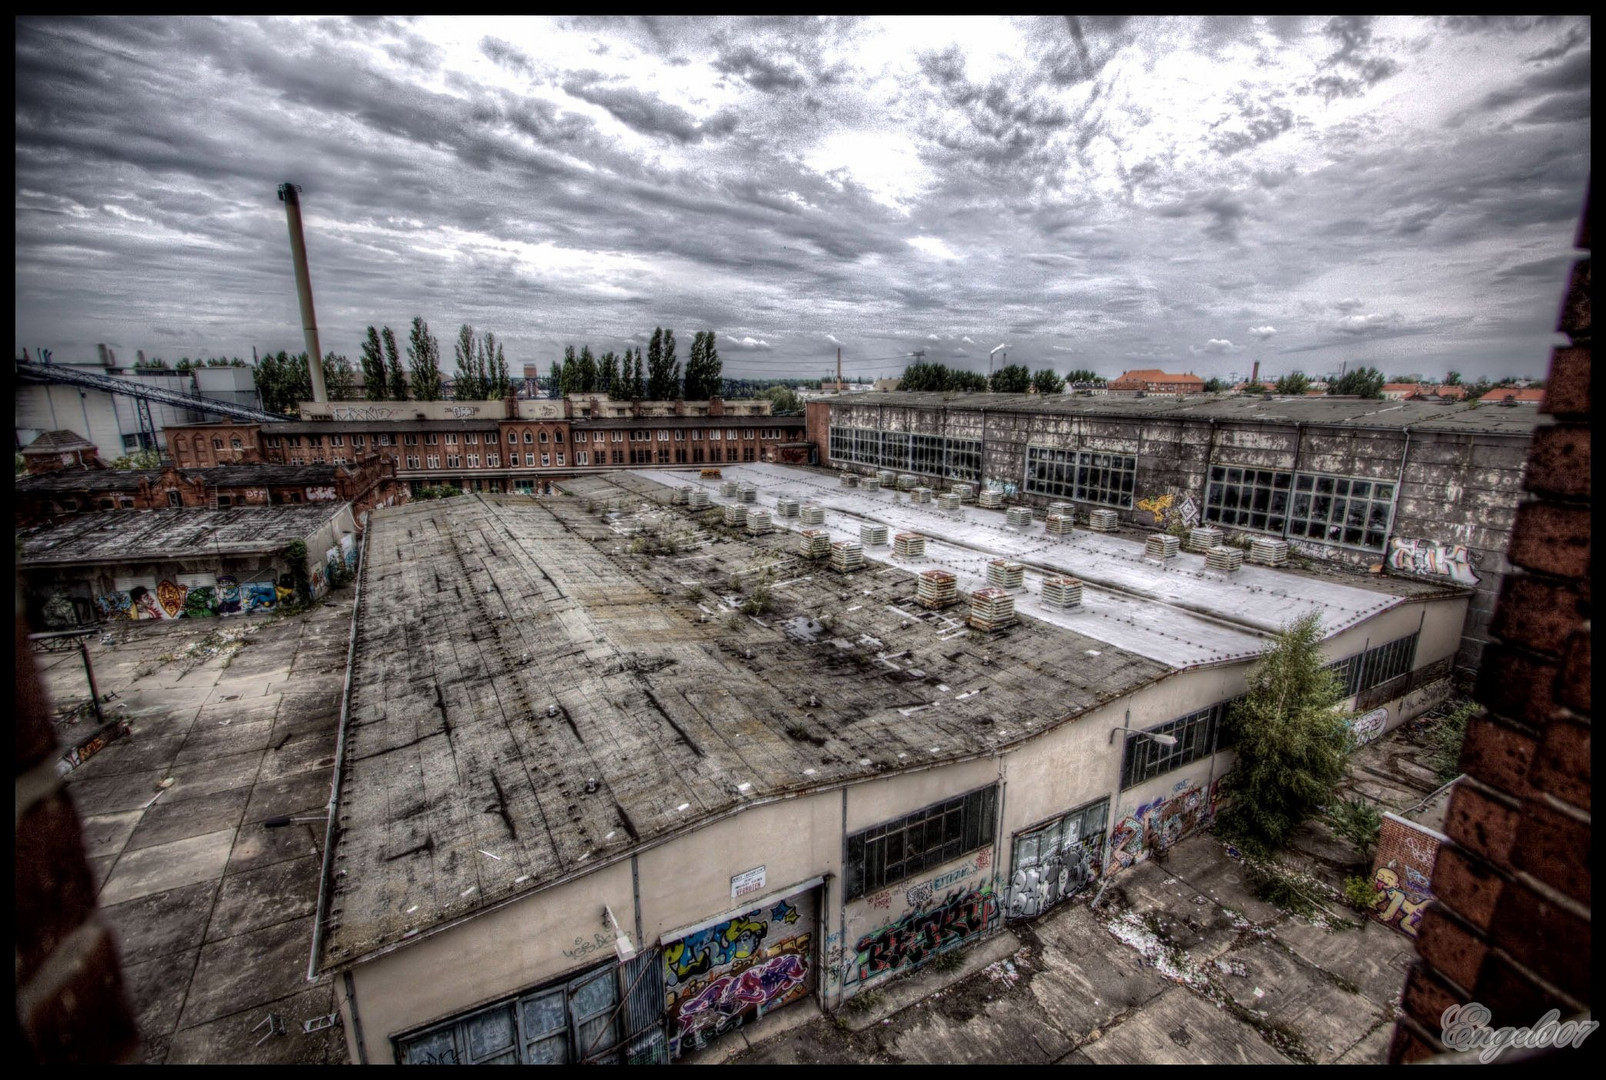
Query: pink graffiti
731, 994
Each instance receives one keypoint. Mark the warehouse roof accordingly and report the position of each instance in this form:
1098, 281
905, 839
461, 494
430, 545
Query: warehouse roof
123, 536
219, 476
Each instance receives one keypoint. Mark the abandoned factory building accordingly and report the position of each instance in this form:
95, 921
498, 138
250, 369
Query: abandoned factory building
620, 770
1415, 488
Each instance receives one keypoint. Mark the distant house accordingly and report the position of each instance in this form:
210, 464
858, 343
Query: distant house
1155, 381
1399, 391
1512, 396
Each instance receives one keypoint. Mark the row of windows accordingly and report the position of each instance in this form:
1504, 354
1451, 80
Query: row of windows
1375, 666
1195, 736
906, 846
1328, 509
1082, 475
930, 455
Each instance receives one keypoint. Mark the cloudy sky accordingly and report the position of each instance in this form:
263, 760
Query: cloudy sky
1189, 194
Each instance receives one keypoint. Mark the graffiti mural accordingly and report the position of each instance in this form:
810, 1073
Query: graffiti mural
228, 595
1396, 905
928, 930
1170, 512
114, 606
1157, 825
317, 580
1363, 729
200, 602
258, 596
348, 551
737, 970
361, 412
60, 611
1055, 861
321, 494
145, 604
171, 597
1433, 559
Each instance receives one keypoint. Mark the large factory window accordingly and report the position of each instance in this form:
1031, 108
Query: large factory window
906, 846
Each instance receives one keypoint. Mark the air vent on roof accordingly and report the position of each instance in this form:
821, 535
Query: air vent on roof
870, 483
920, 495
1058, 525
966, 492
1068, 509
1268, 552
850, 479
727, 489
814, 543
936, 589
678, 496
991, 498
847, 556
758, 522
1018, 516
907, 481
1161, 546
1102, 520
810, 514
1062, 591
697, 499
1005, 574
746, 493
949, 502
991, 609
735, 514
1224, 559
786, 508
886, 477
1203, 538
873, 535
908, 546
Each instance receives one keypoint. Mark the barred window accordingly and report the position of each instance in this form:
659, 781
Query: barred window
1340, 510
1248, 498
932, 455
1375, 666
565, 1023
1083, 475
906, 846
1195, 733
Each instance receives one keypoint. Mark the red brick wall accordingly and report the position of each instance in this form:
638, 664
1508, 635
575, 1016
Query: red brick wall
1402, 873
1511, 928
817, 425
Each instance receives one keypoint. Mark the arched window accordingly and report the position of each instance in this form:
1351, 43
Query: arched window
557, 436
512, 436
235, 442
543, 436
217, 444
527, 436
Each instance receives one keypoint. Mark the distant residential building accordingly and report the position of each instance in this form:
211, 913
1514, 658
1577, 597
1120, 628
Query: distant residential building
1155, 381
1400, 391
1512, 396
883, 386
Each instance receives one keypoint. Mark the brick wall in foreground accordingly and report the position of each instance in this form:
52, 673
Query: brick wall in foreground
1511, 925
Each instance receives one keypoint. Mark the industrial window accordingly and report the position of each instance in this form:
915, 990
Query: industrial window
747, 453
618, 457
1375, 666
680, 436
235, 443
451, 439
1340, 510
1195, 733
356, 440
730, 454
663, 436
560, 459
473, 461
714, 434
663, 456
934, 455
748, 434
529, 458
1248, 498
557, 436
696, 433
471, 438
596, 436
431, 439
696, 455
412, 461
434, 461
555, 1026
173, 499
383, 440
528, 437
906, 846
618, 436
1083, 475
542, 437
217, 444
680, 455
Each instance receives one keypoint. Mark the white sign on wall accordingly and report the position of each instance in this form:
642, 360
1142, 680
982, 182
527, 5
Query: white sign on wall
748, 881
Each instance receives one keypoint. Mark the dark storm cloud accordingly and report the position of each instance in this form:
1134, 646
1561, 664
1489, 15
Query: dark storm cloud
1256, 121
1353, 67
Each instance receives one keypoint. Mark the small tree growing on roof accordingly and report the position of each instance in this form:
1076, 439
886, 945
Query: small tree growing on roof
1291, 740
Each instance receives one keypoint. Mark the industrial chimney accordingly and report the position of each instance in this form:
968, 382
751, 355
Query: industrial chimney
1254, 374
290, 195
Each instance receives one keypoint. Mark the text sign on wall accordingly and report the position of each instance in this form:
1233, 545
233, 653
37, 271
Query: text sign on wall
748, 881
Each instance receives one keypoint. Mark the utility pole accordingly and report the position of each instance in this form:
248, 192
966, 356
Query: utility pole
839, 369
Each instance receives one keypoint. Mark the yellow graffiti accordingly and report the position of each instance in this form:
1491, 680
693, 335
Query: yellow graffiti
1394, 902
1158, 506
736, 929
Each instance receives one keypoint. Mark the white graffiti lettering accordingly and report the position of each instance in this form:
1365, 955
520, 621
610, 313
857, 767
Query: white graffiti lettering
1429, 557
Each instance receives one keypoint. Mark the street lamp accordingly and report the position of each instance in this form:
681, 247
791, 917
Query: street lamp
1163, 740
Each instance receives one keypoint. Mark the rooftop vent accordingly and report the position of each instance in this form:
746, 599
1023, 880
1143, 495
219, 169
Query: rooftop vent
1018, 516
873, 535
907, 481
920, 495
1005, 574
678, 496
1102, 520
1161, 546
758, 522
1058, 524
991, 498
991, 609
870, 483
1068, 509
1204, 537
697, 499
886, 477
908, 546
1224, 559
1268, 552
949, 501
727, 489
814, 543
747, 493
936, 590
850, 479
847, 556
810, 514
786, 508
735, 514
1062, 591
966, 492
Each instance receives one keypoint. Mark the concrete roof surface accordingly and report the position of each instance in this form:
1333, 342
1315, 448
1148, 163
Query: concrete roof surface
122, 536
217, 476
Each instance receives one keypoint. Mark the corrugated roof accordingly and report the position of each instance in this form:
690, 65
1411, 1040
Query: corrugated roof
122, 536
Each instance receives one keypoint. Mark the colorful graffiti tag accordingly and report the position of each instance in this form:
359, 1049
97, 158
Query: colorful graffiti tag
1170, 512
258, 596
1157, 825
176, 600
1433, 559
1363, 729
1397, 906
926, 931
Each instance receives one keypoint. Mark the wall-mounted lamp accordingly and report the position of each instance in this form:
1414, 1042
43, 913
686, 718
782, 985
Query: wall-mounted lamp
621, 940
1163, 740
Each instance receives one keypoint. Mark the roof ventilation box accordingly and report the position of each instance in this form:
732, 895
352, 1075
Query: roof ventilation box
1161, 546
907, 481
810, 514
1224, 560
697, 499
786, 508
850, 479
873, 535
727, 489
678, 496
1268, 552
814, 543
920, 494
1058, 524
1204, 538
909, 546
746, 493
735, 514
1102, 520
1062, 591
936, 589
870, 483
991, 609
1018, 516
886, 477
991, 499
758, 522
1005, 574
949, 501
847, 556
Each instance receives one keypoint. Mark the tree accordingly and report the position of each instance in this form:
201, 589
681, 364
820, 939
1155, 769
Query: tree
496, 369
608, 373
638, 378
713, 367
283, 381
663, 370
470, 383
783, 401
1360, 382
395, 376
1291, 740
148, 458
585, 378
339, 378
1453, 379
1011, 379
1048, 381
373, 368
671, 368
424, 358
973, 382
556, 386
1294, 383
923, 376
703, 376
1082, 375
1215, 386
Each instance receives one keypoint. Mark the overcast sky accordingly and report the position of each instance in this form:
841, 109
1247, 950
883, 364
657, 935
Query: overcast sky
1188, 194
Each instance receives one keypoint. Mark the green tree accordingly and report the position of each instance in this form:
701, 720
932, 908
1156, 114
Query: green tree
703, 374
500, 386
921, 376
783, 400
1082, 375
638, 378
373, 368
1453, 379
339, 378
470, 384
139, 459
1291, 740
671, 367
971, 382
1215, 386
424, 359
395, 376
608, 373
1047, 381
283, 381
555, 384
1294, 383
1360, 382
585, 378
655, 363
1011, 379
568, 384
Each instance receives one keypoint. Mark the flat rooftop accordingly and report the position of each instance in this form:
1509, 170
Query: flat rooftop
123, 536
1323, 411
540, 686
214, 476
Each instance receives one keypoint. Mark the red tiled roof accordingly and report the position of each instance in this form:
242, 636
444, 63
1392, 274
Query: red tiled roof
1528, 396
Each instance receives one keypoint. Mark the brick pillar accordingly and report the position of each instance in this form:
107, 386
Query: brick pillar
70, 1003
1511, 928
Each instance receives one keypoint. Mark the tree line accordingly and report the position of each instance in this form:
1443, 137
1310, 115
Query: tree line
658, 377
1010, 379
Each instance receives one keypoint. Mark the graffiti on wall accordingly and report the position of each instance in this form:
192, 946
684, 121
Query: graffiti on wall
926, 931
1396, 905
738, 969
114, 606
1433, 559
1424, 698
60, 611
1169, 512
1368, 726
176, 600
348, 551
228, 595
321, 494
77, 755
258, 596
361, 412
1156, 825
1054, 862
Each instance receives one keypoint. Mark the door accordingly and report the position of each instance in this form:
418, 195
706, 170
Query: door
1055, 860
739, 969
